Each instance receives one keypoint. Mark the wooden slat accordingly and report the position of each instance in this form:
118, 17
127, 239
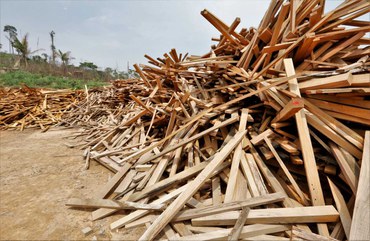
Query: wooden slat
106, 203
247, 231
319, 214
317, 197
360, 227
251, 202
341, 205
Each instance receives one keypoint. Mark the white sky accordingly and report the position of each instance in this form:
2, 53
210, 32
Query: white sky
111, 33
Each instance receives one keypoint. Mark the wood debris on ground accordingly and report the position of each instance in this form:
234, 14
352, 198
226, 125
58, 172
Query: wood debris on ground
262, 138
31, 107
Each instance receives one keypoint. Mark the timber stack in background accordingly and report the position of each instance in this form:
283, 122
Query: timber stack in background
27, 107
265, 137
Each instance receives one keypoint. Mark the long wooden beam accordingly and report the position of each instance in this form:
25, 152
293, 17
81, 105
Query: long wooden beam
317, 197
360, 227
319, 214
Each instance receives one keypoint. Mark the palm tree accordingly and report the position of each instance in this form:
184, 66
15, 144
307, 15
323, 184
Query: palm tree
53, 52
65, 58
12, 31
22, 47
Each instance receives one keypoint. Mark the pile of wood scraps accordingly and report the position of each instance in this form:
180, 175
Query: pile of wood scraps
263, 138
31, 107
112, 105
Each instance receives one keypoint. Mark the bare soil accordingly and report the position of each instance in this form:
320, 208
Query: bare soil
38, 173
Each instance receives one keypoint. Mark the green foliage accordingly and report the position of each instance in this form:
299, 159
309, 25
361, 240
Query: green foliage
6, 60
38, 59
45, 65
115, 74
16, 78
88, 65
12, 31
22, 47
64, 57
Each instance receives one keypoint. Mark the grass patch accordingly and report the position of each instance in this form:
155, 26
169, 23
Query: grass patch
16, 78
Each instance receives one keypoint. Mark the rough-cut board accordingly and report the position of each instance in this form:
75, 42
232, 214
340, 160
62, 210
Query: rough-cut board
321, 214
360, 228
107, 203
239, 224
247, 232
345, 216
289, 110
313, 179
250, 202
140, 213
114, 181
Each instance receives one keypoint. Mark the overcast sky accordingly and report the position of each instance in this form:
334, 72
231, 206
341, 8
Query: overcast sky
111, 33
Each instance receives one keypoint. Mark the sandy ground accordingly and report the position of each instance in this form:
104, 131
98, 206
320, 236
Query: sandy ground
38, 173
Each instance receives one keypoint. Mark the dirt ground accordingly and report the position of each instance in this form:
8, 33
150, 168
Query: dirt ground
38, 173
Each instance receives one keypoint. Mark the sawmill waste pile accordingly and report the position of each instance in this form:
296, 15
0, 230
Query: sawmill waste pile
265, 137
27, 107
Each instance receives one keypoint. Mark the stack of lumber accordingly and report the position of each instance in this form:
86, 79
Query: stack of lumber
262, 138
31, 107
107, 105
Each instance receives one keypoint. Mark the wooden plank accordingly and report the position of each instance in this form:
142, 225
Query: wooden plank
214, 209
356, 102
341, 46
142, 75
266, 237
152, 189
301, 234
351, 175
360, 227
182, 229
286, 172
319, 125
107, 203
170, 233
247, 232
249, 175
318, 214
317, 197
216, 191
256, 175
191, 139
154, 145
345, 117
289, 110
238, 227
113, 182
179, 202
232, 183
207, 15
350, 110
125, 183
336, 125
361, 80
345, 216
336, 81
277, 28
140, 213
259, 138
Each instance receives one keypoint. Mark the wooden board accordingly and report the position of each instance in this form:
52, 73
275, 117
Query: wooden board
360, 227
319, 214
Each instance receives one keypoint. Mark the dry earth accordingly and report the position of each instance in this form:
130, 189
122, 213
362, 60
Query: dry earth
38, 173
